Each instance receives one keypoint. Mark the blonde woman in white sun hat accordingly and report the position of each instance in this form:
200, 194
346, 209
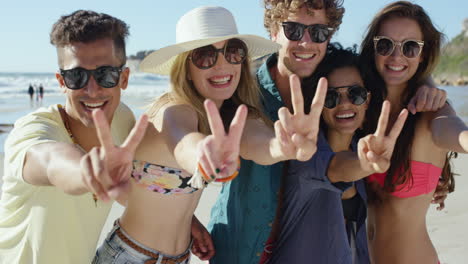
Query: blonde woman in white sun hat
185, 148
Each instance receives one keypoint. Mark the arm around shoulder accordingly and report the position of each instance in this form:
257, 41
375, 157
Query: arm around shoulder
449, 131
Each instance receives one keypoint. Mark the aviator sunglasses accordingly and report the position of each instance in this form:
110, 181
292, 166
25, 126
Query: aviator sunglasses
105, 76
357, 95
410, 48
235, 52
318, 33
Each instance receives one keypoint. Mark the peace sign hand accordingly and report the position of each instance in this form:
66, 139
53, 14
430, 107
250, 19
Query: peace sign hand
297, 132
106, 169
218, 153
375, 150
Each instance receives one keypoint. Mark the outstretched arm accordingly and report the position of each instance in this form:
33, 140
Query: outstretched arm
103, 171
217, 153
46, 163
374, 151
449, 131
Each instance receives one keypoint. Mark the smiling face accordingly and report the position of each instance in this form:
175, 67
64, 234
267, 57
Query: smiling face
346, 117
396, 69
80, 103
219, 82
301, 57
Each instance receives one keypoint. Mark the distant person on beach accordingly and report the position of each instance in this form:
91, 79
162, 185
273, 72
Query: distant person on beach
31, 92
242, 218
185, 148
41, 92
399, 52
48, 213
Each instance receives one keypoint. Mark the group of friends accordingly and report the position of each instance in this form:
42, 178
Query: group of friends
325, 155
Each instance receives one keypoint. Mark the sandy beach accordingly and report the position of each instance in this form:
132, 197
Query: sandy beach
447, 228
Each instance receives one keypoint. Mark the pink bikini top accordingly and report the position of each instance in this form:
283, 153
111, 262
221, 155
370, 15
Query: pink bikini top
425, 179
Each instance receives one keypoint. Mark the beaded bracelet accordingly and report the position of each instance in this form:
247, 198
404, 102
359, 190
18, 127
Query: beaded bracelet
204, 175
233, 176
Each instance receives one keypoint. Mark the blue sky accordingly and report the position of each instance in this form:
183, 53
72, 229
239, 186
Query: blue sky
25, 25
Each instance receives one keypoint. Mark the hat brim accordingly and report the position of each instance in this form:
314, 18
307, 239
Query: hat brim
161, 61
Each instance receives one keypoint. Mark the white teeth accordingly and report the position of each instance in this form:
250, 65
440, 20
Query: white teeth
396, 68
344, 116
304, 55
93, 105
222, 80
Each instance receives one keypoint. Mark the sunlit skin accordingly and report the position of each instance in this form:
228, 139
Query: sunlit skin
397, 231
91, 56
396, 69
335, 117
219, 82
300, 57
341, 131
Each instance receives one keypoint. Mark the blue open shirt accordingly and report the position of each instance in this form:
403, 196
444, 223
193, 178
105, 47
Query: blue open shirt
242, 217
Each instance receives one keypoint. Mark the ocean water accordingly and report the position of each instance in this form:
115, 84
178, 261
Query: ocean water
142, 89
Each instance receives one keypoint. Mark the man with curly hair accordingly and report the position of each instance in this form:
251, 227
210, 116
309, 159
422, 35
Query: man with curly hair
243, 216
48, 213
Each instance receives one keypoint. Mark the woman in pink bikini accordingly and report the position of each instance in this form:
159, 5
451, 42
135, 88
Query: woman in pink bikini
400, 50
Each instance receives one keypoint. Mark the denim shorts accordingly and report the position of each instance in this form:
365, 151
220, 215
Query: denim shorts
114, 250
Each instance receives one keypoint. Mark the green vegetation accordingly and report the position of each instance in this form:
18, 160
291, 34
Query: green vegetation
453, 63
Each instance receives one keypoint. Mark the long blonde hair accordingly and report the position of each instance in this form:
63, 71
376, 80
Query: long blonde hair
183, 92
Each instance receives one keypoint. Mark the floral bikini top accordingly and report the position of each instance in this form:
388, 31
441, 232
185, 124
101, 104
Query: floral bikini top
162, 179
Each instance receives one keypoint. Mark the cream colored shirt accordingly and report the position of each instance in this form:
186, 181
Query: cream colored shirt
42, 224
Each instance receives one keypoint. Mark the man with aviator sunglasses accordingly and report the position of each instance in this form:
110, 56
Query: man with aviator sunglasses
48, 213
244, 213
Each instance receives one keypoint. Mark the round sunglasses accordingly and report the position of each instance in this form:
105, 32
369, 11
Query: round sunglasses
318, 33
105, 76
357, 95
235, 52
410, 48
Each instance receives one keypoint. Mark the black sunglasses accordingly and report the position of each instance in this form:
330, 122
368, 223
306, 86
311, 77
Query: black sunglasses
105, 76
410, 48
318, 33
356, 94
235, 52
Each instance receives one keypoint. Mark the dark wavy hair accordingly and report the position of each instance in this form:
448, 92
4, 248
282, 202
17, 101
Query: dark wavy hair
87, 26
276, 11
400, 162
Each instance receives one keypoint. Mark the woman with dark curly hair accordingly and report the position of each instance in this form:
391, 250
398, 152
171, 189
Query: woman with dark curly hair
400, 51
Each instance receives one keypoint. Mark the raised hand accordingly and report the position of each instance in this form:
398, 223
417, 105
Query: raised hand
427, 98
297, 132
106, 169
375, 150
218, 153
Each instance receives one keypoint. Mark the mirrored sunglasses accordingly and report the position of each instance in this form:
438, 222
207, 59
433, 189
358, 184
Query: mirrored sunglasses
357, 95
410, 48
235, 52
318, 33
105, 76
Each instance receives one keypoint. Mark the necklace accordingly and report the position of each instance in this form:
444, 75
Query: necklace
64, 116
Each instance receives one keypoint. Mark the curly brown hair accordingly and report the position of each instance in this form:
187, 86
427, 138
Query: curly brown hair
277, 11
87, 26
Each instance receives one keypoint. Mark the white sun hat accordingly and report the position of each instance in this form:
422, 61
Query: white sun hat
200, 27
